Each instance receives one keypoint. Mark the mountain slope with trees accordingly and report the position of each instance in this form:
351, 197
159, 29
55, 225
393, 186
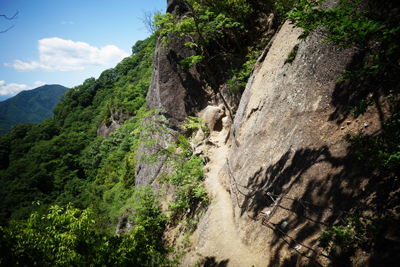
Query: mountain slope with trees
50, 161
32, 106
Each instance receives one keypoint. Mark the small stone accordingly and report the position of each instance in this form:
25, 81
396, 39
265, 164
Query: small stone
348, 122
283, 225
342, 127
365, 124
298, 247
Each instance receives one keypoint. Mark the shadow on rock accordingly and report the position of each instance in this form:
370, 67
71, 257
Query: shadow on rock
211, 262
314, 191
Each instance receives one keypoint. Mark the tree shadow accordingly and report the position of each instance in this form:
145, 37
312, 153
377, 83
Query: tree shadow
347, 185
338, 188
211, 262
347, 95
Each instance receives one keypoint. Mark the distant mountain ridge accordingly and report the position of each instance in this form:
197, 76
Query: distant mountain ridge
30, 106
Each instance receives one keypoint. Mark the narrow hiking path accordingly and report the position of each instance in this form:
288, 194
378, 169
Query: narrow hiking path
218, 238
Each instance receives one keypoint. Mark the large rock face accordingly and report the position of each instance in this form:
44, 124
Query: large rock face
290, 126
175, 92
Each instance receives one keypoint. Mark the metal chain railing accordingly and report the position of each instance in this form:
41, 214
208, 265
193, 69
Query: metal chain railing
252, 192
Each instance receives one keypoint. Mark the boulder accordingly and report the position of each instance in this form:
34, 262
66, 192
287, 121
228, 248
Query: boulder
213, 117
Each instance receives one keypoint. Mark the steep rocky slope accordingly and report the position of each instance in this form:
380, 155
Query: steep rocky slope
290, 174
290, 127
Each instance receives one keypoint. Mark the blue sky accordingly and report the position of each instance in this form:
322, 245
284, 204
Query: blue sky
66, 41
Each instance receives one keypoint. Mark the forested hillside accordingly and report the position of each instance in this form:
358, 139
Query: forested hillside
57, 161
29, 106
60, 175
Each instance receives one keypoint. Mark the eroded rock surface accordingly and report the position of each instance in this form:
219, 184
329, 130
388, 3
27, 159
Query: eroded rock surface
117, 120
176, 93
290, 126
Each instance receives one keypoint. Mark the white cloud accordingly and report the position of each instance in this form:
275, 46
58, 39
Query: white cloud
14, 88
39, 83
66, 55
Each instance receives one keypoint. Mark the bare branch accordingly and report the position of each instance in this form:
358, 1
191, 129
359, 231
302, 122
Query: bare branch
6, 29
7, 18
148, 20
13, 17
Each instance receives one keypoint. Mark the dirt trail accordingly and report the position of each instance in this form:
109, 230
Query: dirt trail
218, 236
218, 239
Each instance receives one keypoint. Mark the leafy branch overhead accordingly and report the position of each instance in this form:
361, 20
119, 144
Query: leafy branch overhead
217, 31
203, 22
206, 23
350, 25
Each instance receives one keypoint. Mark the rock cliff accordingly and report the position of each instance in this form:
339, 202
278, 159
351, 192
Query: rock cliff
175, 92
291, 126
